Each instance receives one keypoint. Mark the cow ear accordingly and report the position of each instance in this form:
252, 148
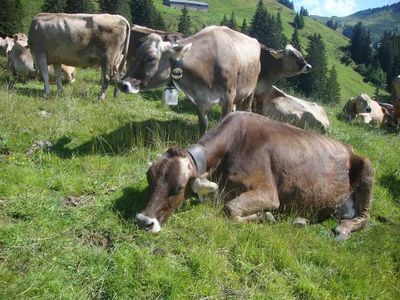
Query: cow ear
178, 50
201, 186
277, 54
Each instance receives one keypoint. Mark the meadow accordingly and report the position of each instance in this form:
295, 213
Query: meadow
67, 212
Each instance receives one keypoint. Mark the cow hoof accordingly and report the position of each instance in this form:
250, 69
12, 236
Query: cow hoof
300, 222
268, 216
341, 234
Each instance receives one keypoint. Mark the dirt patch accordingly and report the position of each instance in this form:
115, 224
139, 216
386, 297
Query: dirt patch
98, 239
77, 201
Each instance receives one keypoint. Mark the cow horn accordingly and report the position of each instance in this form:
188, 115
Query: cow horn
277, 54
202, 186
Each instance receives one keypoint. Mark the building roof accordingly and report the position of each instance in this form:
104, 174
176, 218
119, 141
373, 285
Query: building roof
188, 2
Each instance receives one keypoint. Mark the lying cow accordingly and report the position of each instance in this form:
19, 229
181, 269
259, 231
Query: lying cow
218, 66
282, 107
20, 63
82, 40
365, 109
396, 98
265, 166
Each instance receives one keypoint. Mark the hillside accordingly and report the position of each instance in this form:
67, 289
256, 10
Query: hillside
377, 20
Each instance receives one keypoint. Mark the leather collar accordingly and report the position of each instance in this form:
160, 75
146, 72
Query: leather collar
197, 153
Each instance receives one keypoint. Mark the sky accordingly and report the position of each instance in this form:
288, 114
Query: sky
338, 8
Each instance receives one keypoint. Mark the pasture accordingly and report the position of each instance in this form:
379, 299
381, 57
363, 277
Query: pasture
67, 212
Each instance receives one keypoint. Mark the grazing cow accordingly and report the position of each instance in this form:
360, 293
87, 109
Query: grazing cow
82, 40
21, 38
140, 33
20, 63
365, 109
282, 107
217, 65
396, 98
264, 166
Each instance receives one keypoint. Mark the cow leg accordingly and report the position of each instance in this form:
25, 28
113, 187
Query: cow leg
41, 62
362, 173
203, 120
105, 80
58, 75
116, 80
253, 205
247, 103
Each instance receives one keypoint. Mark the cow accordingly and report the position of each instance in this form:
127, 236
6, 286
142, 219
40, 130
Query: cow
396, 98
365, 109
217, 65
280, 106
6, 45
264, 166
20, 63
82, 40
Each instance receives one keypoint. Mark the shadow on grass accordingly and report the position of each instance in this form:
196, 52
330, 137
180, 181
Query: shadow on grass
392, 183
145, 134
131, 202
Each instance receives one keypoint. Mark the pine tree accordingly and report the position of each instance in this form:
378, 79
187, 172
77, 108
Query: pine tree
303, 12
144, 13
259, 23
54, 6
332, 88
224, 21
184, 25
244, 28
11, 15
232, 24
119, 7
79, 6
313, 83
298, 21
388, 55
295, 40
360, 45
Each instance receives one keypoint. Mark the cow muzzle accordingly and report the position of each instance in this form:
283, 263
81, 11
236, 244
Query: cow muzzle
127, 87
368, 109
307, 68
150, 224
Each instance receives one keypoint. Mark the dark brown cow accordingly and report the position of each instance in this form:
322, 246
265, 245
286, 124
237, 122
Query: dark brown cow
265, 165
396, 98
221, 66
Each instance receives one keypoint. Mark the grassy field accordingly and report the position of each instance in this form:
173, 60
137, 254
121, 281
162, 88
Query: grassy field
67, 213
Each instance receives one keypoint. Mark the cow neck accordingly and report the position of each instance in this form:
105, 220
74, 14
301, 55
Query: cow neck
196, 151
273, 65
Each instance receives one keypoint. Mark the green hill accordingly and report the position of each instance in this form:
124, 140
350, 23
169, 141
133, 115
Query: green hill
376, 20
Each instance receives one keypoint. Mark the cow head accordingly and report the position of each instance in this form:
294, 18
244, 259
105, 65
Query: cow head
363, 103
152, 65
293, 62
170, 178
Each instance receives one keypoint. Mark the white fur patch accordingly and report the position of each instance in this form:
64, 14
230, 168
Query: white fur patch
147, 220
131, 89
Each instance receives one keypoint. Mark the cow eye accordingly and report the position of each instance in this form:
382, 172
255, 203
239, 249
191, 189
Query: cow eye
150, 58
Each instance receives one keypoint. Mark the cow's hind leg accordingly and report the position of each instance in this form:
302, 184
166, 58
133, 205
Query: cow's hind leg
58, 75
105, 80
361, 178
41, 62
253, 205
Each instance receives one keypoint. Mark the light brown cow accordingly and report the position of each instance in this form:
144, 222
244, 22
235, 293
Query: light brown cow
219, 66
264, 166
282, 107
83, 40
396, 98
369, 110
6, 45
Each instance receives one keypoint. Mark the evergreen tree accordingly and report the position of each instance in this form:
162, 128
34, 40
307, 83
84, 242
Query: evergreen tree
388, 55
298, 21
54, 6
184, 25
232, 22
347, 30
224, 21
244, 28
313, 83
11, 15
332, 88
79, 6
259, 23
303, 12
332, 24
276, 38
295, 40
144, 13
360, 45
287, 3
118, 7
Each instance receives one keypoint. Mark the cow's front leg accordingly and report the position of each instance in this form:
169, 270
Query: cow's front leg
253, 205
41, 61
105, 80
203, 120
58, 75
246, 104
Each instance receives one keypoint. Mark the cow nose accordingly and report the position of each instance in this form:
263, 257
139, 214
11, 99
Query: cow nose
307, 68
150, 224
368, 109
123, 86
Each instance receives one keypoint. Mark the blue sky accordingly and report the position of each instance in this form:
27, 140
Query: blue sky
339, 8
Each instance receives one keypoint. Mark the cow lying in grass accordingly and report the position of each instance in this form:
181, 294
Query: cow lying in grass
265, 166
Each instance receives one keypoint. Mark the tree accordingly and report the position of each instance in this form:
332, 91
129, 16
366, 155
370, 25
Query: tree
79, 6
144, 13
298, 21
303, 12
360, 45
224, 21
276, 38
295, 40
232, 22
184, 25
347, 30
11, 15
244, 28
119, 7
287, 3
332, 24
313, 83
388, 55
54, 6
259, 23
332, 88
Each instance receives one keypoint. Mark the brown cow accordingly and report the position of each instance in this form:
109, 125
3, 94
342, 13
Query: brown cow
365, 109
82, 40
221, 66
396, 98
265, 166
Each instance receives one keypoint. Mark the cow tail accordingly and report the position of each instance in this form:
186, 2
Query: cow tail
126, 47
